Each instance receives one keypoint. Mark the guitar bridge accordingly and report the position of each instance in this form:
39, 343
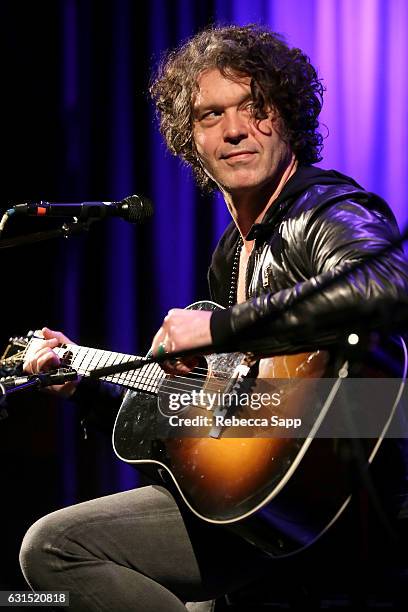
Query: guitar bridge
239, 375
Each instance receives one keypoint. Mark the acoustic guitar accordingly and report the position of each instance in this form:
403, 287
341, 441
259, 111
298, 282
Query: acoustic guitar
268, 447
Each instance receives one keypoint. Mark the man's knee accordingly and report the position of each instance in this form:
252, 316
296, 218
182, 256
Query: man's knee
37, 553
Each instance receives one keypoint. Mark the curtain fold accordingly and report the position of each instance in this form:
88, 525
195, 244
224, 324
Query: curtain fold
79, 127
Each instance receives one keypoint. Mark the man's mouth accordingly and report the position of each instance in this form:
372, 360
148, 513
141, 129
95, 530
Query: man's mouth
238, 154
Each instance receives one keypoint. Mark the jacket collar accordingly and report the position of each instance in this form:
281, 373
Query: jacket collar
304, 177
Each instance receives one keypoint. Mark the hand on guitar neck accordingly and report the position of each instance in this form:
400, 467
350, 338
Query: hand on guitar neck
180, 330
41, 357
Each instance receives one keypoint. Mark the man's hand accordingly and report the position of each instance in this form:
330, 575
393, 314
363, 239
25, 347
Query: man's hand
42, 358
182, 329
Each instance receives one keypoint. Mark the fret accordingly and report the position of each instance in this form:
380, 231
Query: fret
100, 356
78, 356
97, 358
103, 358
126, 377
84, 360
154, 372
85, 364
122, 359
138, 379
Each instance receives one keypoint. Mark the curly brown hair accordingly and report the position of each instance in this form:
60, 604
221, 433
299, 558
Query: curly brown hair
281, 78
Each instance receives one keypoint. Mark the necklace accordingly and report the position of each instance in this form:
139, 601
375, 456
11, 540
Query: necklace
232, 297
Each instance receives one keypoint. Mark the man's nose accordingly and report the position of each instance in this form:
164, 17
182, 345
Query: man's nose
235, 127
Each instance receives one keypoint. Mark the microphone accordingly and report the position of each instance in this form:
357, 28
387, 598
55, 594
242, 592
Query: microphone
134, 208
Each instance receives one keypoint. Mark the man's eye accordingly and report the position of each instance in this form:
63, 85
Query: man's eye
249, 106
213, 114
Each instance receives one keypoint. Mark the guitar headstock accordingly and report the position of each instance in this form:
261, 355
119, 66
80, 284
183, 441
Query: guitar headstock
13, 355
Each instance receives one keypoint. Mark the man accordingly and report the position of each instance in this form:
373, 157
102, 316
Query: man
241, 108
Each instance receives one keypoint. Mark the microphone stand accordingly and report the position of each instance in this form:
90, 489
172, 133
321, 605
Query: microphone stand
65, 231
13, 384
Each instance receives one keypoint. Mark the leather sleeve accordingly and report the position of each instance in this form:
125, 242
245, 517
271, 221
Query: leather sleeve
318, 245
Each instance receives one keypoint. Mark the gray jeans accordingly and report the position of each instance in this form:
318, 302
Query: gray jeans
134, 551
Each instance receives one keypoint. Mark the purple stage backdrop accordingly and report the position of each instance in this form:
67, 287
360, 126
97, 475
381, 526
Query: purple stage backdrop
103, 53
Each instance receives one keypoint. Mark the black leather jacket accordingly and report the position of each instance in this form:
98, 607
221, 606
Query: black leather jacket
321, 223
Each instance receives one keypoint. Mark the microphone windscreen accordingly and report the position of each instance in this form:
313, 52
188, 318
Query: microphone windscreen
136, 208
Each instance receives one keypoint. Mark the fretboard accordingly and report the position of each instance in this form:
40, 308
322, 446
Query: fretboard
84, 360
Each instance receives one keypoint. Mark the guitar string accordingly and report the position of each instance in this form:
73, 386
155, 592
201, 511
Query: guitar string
89, 350
153, 379
195, 370
150, 379
130, 357
174, 389
211, 386
80, 354
142, 376
187, 381
165, 392
143, 379
198, 388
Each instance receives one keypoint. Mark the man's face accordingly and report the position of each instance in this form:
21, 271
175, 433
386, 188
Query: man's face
237, 151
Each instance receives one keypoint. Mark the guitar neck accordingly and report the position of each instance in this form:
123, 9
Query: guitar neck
85, 360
